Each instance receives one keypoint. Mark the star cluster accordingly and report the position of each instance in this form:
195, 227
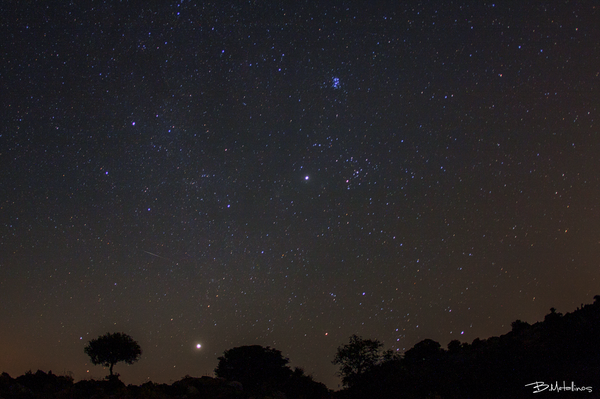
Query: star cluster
289, 174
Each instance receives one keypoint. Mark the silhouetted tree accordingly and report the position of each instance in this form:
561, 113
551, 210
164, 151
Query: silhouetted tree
109, 349
454, 346
553, 316
357, 357
258, 369
518, 326
426, 350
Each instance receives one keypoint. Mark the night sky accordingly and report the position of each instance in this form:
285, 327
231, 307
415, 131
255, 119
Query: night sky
290, 173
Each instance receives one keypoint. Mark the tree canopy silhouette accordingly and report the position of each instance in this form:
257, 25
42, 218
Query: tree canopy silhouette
257, 368
109, 349
357, 357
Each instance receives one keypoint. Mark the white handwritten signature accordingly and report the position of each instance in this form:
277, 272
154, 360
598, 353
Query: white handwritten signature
540, 386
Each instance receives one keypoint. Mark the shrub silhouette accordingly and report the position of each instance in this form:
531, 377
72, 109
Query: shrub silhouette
258, 369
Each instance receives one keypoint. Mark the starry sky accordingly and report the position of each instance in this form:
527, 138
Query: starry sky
289, 173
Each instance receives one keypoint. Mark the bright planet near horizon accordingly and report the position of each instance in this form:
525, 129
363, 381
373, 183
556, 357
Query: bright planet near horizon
198, 346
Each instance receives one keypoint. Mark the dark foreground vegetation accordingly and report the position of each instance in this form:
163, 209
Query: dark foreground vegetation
558, 357
47, 386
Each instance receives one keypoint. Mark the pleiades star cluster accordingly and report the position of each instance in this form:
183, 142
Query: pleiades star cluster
203, 176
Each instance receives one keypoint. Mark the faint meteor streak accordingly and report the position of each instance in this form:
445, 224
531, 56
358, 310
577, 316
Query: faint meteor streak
158, 256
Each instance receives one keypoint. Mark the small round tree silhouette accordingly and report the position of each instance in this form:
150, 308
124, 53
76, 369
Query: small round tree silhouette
109, 349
